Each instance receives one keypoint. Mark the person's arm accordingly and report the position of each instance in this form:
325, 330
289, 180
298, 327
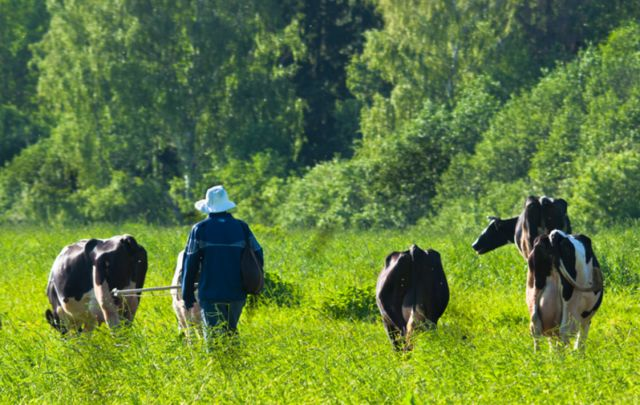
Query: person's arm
191, 268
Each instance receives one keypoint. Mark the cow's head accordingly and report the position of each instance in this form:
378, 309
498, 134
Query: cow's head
54, 320
498, 233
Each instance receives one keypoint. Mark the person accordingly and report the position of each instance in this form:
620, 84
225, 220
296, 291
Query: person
212, 259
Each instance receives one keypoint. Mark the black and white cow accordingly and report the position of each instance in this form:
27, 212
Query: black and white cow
539, 217
186, 318
82, 277
411, 291
564, 289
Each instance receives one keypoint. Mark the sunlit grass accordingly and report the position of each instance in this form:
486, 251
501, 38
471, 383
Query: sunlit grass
481, 352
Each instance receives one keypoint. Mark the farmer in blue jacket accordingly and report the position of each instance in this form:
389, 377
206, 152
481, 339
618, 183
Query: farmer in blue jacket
212, 259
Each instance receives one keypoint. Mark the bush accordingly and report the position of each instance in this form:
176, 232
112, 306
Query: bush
277, 292
608, 190
352, 303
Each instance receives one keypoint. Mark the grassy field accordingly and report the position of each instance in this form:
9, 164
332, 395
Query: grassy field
325, 344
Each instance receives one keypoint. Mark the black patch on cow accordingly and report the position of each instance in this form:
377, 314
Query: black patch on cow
541, 261
554, 214
532, 219
73, 278
565, 253
438, 288
393, 286
585, 314
589, 255
120, 261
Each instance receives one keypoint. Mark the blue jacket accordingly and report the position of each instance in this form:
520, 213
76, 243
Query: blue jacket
212, 259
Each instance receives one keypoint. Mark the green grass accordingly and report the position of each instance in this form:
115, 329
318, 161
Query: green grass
480, 353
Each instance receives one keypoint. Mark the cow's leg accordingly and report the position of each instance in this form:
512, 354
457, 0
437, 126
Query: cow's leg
131, 307
73, 313
535, 327
181, 315
195, 316
66, 321
103, 296
394, 334
89, 322
565, 324
582, 335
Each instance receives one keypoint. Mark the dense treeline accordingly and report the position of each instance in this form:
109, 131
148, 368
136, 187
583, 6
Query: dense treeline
318, 113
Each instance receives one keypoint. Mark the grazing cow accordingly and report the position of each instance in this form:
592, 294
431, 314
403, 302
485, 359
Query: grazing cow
82, 277
564, 287
411, 291
539, 217
185, 318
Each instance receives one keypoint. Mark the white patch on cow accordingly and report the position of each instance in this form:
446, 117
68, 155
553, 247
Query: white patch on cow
131, 301
186, 318
80, 314
105, 301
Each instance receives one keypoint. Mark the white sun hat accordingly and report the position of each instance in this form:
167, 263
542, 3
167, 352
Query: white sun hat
216, 200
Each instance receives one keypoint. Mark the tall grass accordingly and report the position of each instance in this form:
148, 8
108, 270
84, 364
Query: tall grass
481, 351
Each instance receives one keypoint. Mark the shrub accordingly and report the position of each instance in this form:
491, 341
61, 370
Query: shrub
608, 190
277, 292
352, 303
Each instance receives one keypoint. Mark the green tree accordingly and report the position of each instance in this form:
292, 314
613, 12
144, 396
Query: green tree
21, 24
163, 90
333, 32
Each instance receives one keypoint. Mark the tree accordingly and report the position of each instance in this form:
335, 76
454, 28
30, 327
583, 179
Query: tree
333, 32
164, 90
21, 24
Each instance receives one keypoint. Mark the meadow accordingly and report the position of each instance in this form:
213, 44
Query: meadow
317, 336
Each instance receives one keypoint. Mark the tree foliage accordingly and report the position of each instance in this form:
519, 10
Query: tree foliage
366, 113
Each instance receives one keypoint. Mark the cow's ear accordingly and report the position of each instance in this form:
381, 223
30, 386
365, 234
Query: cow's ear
436, 260
562, 204
390, 257
52, 319
567, 224
141, 267
49, 315
532, 199
131, 243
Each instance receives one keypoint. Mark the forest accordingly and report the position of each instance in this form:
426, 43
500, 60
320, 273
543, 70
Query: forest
318, 114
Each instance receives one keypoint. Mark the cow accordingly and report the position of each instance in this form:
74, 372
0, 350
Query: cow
411, 292
564, 287
82, 277
185, 318
539, 216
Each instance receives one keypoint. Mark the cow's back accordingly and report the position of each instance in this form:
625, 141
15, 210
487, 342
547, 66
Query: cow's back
123, 257
71, 273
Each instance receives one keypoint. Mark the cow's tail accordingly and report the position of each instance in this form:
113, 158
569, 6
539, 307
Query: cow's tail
418, 317
596, 279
